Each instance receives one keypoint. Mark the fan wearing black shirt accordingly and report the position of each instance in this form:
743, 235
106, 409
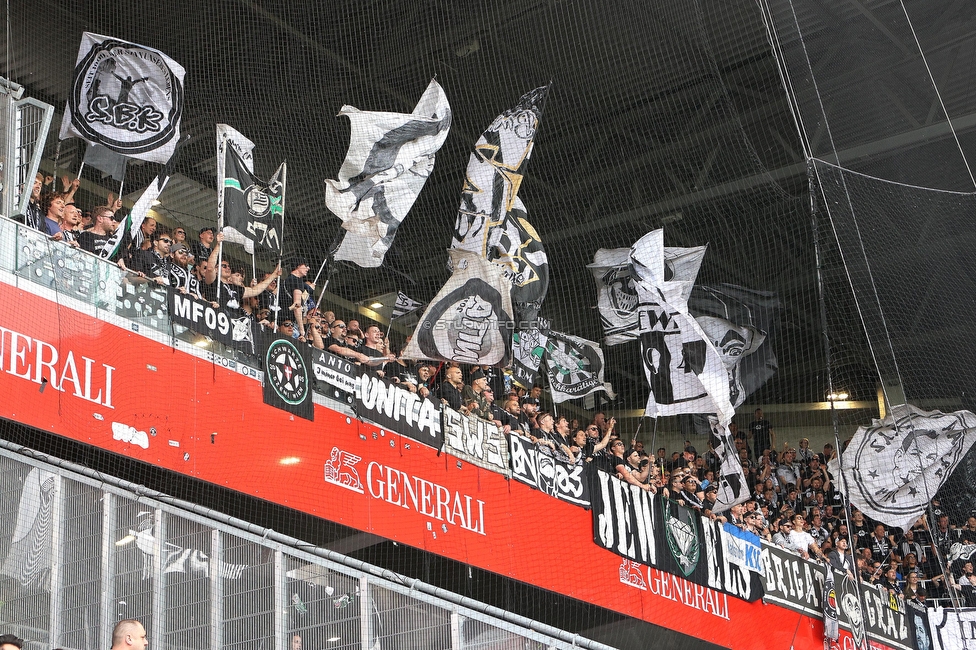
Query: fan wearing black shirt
295, 292
154, 264
103, 228
228, 295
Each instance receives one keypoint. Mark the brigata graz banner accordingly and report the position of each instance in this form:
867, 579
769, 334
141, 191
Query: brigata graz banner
532, 466
652, 530
798, 584
397, 409
475, 440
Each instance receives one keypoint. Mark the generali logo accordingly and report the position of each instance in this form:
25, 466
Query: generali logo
405, 490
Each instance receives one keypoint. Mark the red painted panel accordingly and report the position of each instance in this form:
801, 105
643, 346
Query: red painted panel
105, 385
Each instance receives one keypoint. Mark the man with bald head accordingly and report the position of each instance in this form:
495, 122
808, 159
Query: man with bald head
129, 635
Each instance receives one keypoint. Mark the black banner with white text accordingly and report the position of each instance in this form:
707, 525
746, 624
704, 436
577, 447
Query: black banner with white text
533, 466
398, 409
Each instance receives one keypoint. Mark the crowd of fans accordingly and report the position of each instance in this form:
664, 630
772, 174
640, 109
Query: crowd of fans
793, 504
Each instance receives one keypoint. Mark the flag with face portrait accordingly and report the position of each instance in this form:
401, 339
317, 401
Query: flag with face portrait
125, 97
495, 171
252, 207
470, 320
574, 367
893, 468
616, 292
684, 371
390, 157
739, 322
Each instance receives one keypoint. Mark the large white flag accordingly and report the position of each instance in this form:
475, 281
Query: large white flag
894, 467
684, 370
228, 136
126, 97
470, 320
390, 157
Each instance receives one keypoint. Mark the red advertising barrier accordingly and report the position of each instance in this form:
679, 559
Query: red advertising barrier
71, 374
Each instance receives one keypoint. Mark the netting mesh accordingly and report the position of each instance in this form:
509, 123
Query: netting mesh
672, 116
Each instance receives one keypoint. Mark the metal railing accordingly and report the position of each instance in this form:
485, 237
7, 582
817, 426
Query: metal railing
84, 551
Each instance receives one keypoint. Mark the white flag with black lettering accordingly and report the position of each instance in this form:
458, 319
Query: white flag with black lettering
684, 370
470, 320
390, 157
894, 467
126, 97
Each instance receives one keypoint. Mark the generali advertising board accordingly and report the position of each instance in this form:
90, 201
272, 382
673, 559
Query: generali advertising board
69, 373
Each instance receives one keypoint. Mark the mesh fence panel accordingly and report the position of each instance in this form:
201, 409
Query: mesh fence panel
256, 593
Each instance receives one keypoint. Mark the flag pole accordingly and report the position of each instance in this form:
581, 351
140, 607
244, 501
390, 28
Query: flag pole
284, 185
80, 169
221, 151
330, 260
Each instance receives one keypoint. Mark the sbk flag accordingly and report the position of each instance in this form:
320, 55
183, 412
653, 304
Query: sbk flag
287, 380
252, 207
390, 158
125, 97
893, 468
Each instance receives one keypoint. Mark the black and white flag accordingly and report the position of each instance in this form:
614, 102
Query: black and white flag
528, 348
470, 320
517, 248
390, 157
131, 227
893, 468
228, 136
574, 367
739, 322
126, 97
684, 370
252, 207
731, 479
616, 289
495, 171
404, 305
